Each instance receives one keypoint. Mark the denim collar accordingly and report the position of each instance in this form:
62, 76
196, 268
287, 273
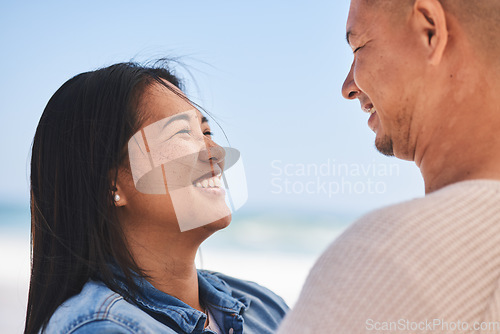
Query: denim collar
214, 292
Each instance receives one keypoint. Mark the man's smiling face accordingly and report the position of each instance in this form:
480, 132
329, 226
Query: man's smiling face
384, 75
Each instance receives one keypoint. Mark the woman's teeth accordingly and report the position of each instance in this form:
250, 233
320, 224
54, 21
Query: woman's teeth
213, 182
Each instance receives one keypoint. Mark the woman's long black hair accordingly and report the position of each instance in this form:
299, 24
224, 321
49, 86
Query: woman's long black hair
79, 144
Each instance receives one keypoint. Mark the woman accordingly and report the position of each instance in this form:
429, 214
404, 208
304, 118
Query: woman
108, 254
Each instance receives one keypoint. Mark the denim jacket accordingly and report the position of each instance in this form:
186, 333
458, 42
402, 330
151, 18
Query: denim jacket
237, 306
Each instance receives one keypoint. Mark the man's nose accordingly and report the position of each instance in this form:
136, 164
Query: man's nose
349, 89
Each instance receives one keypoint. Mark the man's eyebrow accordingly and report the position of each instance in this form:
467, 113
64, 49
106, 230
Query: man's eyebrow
204, 120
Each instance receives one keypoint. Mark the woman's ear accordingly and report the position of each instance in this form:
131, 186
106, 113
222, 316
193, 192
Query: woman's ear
430, 22
119, 197
117, 189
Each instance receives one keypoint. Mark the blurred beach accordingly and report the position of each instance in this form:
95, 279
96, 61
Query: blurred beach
15, 265
271, 248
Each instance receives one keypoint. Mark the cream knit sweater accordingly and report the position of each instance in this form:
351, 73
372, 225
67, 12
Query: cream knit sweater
430, 265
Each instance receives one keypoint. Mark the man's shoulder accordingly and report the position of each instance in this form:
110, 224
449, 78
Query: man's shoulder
451, 202
428, 222
415, 256
98, 308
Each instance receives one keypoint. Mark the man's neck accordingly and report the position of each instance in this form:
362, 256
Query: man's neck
465, 148
443, 172
459, 137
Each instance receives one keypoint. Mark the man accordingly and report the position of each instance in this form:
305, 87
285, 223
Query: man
428, 72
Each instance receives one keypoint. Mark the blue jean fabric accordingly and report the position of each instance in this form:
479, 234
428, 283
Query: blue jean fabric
237, 306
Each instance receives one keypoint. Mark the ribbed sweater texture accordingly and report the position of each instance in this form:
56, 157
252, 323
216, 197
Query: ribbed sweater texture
404, 267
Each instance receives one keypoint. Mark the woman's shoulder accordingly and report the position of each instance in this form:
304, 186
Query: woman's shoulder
98, 309
259, 296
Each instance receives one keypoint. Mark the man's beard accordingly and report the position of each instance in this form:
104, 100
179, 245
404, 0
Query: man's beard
384, 146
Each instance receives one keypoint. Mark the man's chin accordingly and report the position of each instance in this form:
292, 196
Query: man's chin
384, 145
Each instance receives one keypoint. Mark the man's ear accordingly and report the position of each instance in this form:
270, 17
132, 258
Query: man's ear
430, 22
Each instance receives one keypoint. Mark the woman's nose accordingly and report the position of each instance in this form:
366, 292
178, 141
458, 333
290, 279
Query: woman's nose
212, 152
350, 90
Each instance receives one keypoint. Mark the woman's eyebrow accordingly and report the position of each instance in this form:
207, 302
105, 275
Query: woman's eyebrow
204, 120
177, 118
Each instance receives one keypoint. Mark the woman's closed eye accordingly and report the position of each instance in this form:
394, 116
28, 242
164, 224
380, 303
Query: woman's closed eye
207, 133
181, 132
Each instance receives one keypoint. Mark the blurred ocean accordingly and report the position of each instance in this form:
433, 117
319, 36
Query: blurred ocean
273, 248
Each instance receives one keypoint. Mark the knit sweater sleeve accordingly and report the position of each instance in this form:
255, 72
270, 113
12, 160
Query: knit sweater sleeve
423, 266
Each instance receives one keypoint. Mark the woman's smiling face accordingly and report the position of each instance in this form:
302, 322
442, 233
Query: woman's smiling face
176, 167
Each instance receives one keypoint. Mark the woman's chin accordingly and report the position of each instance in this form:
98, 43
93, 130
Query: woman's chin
218, 224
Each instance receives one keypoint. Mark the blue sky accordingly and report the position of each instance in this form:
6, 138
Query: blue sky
270, 72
